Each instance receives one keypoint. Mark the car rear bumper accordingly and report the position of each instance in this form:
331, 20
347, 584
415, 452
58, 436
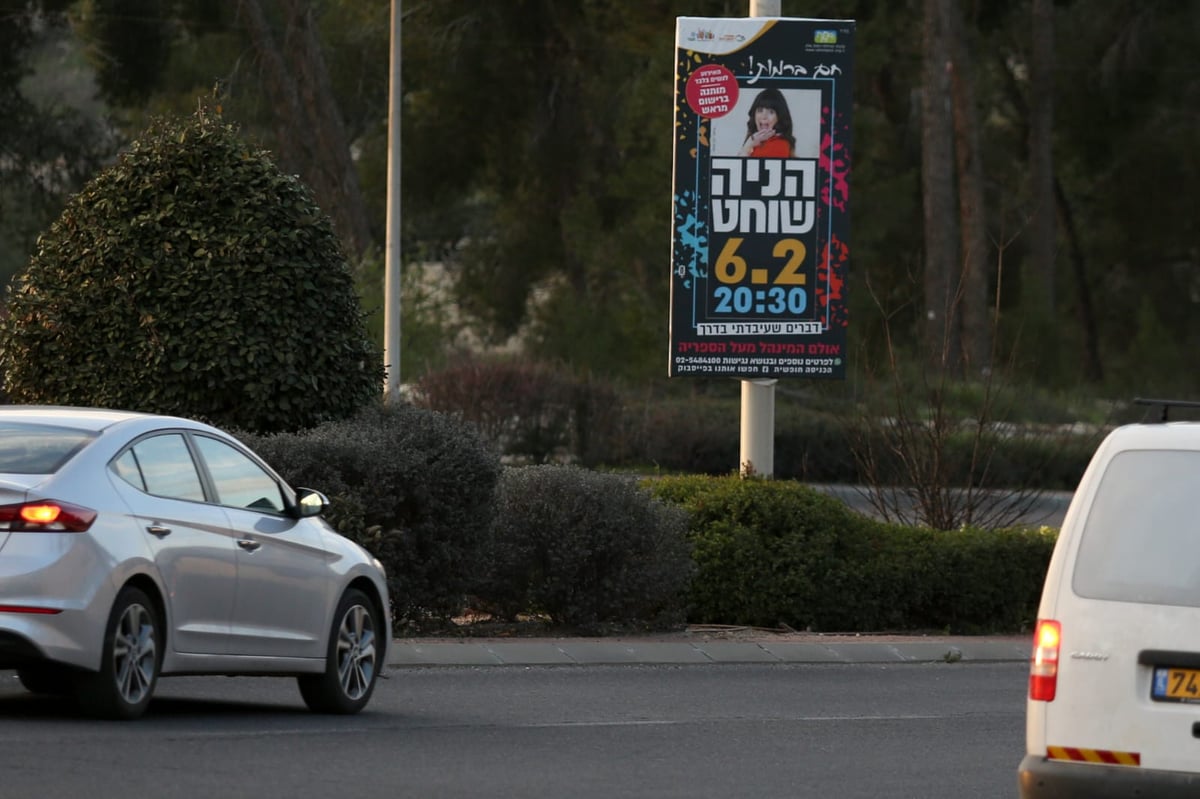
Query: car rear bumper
1040, 778
17, 651
71, 637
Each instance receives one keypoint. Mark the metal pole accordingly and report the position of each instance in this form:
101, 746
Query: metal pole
757, 456
758, 428
391, 280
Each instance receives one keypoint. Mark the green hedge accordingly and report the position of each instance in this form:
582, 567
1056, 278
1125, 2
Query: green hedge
590, 550
586, 549
771, 553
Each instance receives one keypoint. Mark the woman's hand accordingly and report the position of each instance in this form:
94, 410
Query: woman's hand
756, 138
761, 136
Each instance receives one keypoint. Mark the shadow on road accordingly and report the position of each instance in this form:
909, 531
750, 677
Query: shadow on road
34, 706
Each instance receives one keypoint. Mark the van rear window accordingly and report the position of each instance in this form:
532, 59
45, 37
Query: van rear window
1141, 538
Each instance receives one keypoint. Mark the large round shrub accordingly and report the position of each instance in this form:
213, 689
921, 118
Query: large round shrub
193, 278
412, 486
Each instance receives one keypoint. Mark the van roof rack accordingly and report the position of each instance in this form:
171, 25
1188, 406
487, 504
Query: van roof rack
1166, 405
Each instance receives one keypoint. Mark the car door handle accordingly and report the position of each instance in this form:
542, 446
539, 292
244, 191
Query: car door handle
249, 544
158, 530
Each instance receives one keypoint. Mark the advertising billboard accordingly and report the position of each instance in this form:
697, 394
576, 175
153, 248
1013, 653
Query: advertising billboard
760, 234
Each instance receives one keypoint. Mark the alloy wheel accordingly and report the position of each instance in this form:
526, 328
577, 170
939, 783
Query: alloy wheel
134, 653
356, 652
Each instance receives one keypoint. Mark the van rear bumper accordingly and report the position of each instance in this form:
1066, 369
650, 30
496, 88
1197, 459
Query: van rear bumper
1040, 778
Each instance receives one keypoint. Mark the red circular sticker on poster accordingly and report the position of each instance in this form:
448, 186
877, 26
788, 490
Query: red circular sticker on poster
712, 91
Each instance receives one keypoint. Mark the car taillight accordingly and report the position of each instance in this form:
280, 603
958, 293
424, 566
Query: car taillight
1043, 666
45, 516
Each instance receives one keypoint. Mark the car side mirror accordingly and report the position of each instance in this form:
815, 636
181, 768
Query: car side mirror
310, 502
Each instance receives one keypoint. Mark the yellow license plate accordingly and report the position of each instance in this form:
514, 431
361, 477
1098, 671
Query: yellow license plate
1176, 685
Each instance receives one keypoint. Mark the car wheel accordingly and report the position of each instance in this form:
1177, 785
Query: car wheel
130, 663
352, 662
47, 678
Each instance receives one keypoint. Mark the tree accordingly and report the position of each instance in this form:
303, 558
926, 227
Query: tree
942, 286
193, 278
130, 42
536, 160
146, 52
308, 122
51, 139
1126, 159
956, 272
1043, 227
549, 181
1027, 69
975, 250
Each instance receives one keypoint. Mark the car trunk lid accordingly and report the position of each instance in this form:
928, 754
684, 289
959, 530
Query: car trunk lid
15, 488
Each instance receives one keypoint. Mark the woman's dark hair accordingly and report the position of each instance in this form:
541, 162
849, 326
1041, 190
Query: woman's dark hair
773, 99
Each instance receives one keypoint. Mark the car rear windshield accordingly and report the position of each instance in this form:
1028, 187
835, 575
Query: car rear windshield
1141, 540
38, 449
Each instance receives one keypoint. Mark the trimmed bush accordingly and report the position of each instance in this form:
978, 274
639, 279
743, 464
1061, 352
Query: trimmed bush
191, 278
980, 581
414, 487
765, 551
587, 549
773, 553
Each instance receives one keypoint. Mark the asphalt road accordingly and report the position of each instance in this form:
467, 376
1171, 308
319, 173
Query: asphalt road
733, 730
1038, 507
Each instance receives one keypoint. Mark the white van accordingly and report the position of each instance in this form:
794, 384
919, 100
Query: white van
1114, 685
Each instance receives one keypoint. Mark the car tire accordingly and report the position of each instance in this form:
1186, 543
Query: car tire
130, 663
47, 678
352, 661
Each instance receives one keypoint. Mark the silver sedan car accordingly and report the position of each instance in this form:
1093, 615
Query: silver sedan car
135, 546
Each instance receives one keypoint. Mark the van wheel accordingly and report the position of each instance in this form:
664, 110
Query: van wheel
131, 661
352, 661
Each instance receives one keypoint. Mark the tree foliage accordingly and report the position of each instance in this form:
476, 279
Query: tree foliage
536, 153
267, 64
552, 180
139, 33
51, 139
192, 277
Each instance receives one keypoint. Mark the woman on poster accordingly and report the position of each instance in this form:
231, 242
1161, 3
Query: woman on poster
769, 127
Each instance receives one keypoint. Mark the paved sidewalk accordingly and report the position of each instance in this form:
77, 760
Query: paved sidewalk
692, 648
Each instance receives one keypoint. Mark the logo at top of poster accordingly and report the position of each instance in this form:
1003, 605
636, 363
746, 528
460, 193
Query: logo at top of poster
825, 37
704, 35
712, 91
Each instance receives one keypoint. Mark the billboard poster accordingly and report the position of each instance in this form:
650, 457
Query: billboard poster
760, 236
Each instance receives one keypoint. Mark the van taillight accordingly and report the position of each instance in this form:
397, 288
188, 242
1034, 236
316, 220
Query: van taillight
45, 516
1043, 666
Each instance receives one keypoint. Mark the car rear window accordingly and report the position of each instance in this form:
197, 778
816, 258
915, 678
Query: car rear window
38, 449
1141, 539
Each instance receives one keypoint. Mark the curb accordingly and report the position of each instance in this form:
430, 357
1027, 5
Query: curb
807, 649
